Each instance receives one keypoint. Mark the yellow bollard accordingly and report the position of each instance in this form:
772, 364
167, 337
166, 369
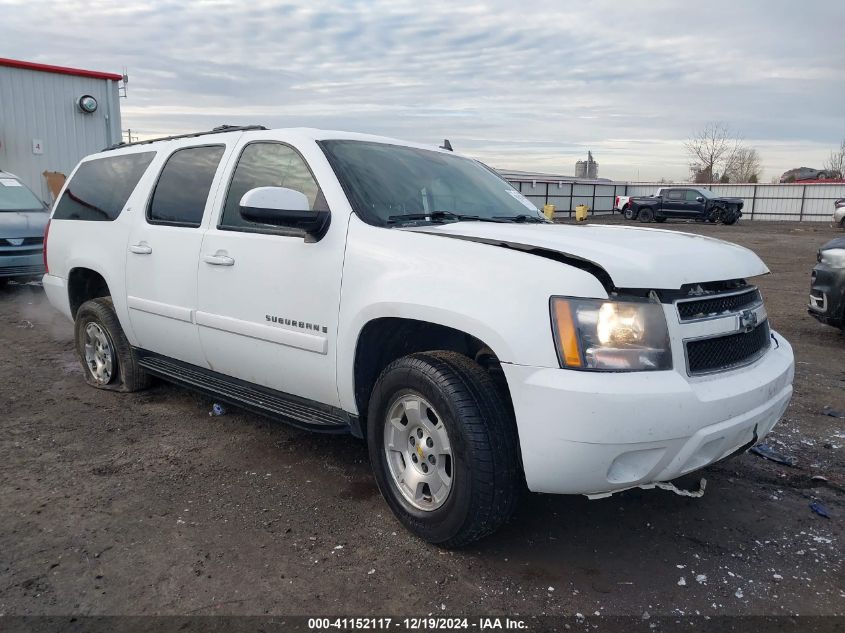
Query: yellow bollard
581, 212
549, 211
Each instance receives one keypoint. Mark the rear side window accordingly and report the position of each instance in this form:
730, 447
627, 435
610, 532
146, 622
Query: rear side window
100, 188
182, 189
675, 194
268, 165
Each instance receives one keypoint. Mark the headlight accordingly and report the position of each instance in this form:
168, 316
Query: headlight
610, 335
833, 257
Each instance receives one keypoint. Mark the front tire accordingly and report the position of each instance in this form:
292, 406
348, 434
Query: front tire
629, 212
660, 220
108, 360
443, 447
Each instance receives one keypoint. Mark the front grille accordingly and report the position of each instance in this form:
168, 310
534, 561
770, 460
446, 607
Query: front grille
27, 241
721, 353
718, 305
10, 271
20, 252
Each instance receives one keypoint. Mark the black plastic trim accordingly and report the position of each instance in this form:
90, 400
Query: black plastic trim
218, 130
296, 411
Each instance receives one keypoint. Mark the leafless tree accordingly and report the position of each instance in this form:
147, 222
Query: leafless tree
836, 161
712, 151
745, 166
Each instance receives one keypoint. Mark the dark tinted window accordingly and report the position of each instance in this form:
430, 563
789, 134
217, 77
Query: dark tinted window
692, 195
268, 165
100, 188
675, 194
385, 182
182, 189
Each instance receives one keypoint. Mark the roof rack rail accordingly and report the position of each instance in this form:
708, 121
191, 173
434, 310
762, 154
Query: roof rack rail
219, 129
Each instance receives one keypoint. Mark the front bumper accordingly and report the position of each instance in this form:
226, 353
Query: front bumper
596, 433
30, 265
827, 295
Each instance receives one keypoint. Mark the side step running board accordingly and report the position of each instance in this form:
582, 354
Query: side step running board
275, 404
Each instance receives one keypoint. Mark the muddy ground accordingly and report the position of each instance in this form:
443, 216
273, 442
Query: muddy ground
143, 504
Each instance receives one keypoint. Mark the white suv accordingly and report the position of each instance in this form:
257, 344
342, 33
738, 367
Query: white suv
410, 296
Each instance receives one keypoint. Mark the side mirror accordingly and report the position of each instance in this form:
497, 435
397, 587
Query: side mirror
700, 198
283, 207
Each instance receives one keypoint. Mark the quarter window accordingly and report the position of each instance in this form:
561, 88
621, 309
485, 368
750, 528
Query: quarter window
101, 187
268, 165
183, 186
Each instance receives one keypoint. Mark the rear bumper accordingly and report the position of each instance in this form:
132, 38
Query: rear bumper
31, 265
56, 290
589, 433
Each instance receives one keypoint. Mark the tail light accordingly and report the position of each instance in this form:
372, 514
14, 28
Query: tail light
46, 233
617, 202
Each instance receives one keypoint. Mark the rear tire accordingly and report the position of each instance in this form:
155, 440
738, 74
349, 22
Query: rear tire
421, 405
108, 360
628, 212
645, 215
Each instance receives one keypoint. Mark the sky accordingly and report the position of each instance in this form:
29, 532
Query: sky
520, 85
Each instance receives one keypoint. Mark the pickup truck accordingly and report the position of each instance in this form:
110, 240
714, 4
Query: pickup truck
408, 296
684, 202
621, 203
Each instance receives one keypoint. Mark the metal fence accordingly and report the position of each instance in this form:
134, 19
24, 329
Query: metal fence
788, 202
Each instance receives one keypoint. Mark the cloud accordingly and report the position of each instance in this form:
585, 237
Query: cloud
529, 85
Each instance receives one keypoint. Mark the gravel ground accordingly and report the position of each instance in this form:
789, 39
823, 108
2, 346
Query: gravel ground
143, 504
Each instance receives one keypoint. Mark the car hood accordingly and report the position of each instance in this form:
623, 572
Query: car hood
632, 257
23, 223
838, 242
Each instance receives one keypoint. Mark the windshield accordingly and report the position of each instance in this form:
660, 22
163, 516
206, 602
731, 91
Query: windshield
706, 193
15, 197
391, 184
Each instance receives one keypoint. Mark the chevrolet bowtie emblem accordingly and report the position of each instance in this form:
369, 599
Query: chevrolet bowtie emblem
747, 320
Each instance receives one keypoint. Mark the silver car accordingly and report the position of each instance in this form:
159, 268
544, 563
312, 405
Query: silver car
23, 218
839, 213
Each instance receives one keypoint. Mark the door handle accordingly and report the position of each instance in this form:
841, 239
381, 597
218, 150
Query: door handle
218, 260
141, 248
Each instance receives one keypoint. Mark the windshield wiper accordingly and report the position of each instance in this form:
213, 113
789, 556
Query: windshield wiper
521, 218
438, 216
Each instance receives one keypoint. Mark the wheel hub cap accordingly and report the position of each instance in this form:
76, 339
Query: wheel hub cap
99, 356
418, 452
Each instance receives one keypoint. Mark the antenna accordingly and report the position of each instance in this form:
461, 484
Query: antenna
122, 91
446, 145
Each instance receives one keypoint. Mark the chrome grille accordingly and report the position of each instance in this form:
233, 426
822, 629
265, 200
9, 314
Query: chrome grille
27, 241
721, 353
718, 305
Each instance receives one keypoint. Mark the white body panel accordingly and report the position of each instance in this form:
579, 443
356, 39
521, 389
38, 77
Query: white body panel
276, 276
580, 431
633, 257
161, 272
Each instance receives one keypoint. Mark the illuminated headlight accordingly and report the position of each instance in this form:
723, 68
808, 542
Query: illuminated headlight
610, 335
833, 257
